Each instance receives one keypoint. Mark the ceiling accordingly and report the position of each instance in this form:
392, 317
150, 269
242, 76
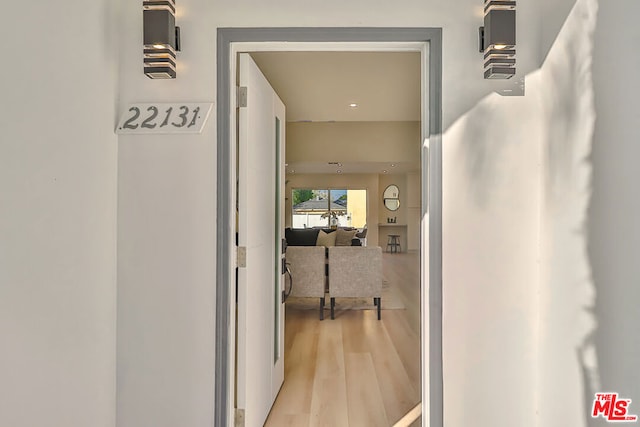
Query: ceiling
321, 86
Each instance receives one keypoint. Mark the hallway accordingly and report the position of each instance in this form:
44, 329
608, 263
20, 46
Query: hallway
354, 370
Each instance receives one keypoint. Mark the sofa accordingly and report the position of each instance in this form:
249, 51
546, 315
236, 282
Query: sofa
338, 265
309, 236
306, 265
355, 272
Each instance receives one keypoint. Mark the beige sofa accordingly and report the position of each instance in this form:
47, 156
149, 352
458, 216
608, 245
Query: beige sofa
353, 272
307, 267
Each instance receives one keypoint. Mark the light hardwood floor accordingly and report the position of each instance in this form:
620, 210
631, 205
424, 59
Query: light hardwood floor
354, 370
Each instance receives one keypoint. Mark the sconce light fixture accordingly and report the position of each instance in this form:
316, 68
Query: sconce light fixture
161, 38
498, 39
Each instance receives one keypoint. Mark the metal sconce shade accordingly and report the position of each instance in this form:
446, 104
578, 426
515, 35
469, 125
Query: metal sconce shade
498, 39
159, 28
499, 63
499, 72
169, 5
500, 29
161, 39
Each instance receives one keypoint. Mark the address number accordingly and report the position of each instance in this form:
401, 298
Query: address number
164, 118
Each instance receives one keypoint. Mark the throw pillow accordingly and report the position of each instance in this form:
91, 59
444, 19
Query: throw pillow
326, 239
343, 237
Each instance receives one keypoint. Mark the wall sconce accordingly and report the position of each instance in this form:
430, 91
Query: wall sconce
498, 39
161, 38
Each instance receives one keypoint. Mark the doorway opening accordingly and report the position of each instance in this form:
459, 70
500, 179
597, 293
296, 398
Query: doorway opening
353, 130
425, 41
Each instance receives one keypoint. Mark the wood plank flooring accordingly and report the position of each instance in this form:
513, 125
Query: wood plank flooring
354, 370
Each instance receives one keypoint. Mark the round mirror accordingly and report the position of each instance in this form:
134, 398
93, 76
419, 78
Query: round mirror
391, 197
391, 192
392, 204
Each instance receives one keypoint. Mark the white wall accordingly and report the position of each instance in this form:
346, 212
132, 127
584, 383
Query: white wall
166, 237
57, 214
591, 232
566, 287
413, 202
354, 142
537, 302
613, 228
491, 175
58, 228
553, 16
58, 204
166, 199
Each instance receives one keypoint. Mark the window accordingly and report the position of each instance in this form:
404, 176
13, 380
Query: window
329, 207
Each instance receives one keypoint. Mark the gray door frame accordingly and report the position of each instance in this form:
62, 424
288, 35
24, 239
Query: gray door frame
432, 197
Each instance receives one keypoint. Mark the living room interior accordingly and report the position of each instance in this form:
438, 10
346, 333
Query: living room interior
363, 132
353, 123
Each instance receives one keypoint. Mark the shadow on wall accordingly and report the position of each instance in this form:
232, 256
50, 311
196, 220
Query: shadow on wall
568, 363
614, 211
517, 183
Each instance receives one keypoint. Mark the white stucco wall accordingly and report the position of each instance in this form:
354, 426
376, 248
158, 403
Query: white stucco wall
58, 156
566, 294
613, 226
516, 191
59, 159
354, 142
553, 14
491, 173
166, 199
588, 342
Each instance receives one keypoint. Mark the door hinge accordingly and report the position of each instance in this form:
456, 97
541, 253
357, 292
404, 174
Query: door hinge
239, 417
241, 256
242, 96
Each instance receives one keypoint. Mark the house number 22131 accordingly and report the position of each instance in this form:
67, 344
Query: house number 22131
164, 118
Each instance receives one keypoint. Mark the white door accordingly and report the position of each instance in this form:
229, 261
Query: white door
260, 333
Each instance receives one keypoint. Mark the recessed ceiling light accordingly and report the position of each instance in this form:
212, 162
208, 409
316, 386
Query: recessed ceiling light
353, 105
384, 171
393, 165
339, 171
340, 164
